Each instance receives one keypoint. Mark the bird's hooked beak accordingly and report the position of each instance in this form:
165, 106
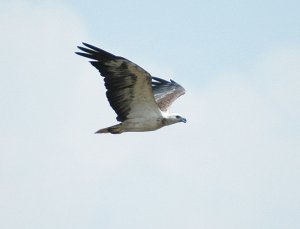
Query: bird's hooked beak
183, 120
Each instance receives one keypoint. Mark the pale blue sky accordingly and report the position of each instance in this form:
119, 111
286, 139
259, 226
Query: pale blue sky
234, 164
204, 36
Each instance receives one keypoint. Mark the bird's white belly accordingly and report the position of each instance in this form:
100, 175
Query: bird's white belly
141, 125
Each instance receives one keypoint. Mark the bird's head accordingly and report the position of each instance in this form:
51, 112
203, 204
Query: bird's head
175, 118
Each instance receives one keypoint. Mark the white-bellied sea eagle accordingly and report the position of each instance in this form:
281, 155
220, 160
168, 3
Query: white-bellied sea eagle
140, 100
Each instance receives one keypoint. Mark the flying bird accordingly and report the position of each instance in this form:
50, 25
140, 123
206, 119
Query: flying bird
141, 101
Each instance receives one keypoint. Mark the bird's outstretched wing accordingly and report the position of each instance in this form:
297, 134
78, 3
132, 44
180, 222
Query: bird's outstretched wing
166, 92
129, 89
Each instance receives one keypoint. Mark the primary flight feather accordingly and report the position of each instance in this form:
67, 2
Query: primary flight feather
141, 101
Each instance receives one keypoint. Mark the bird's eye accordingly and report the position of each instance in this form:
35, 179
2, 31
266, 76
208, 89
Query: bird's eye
177, 116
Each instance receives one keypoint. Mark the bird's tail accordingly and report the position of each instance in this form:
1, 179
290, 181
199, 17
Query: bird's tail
116, 129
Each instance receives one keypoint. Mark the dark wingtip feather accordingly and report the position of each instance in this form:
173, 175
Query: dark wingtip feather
86, 44
87, 55
83, 49
160, 80
90, 46
94, 48
95, 53
79, 53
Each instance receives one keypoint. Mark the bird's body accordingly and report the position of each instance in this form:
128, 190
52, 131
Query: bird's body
140, 100
134, 125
